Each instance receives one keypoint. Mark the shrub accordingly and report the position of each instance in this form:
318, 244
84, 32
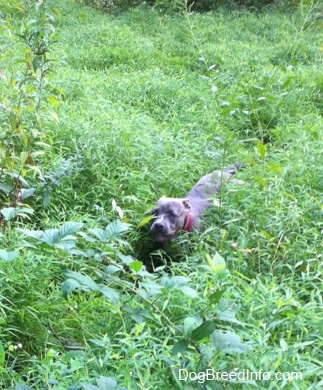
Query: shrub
27, 104
139, 105
182, 5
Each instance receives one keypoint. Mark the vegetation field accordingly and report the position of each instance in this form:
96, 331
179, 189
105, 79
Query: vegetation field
100, 115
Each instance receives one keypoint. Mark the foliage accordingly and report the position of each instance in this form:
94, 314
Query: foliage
114, 6
136, 106
23, 141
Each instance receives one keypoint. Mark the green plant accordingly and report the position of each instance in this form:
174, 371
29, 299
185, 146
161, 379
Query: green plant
23, 139
142, 104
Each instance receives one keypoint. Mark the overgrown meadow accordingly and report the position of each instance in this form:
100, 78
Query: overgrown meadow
103, 114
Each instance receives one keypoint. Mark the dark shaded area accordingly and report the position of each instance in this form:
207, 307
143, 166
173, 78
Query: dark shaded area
155, 254
114, 6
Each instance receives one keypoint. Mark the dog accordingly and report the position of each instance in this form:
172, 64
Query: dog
175, 214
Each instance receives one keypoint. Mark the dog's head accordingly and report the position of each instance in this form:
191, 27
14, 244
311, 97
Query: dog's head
170, 216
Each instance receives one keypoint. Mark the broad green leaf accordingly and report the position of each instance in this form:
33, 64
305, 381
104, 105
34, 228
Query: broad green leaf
87, 284
191, 323
9, 213
109, 293
228, 342
61, 238
27, 192
136, 265
88, 386
217, 263
67, 244
86, 237
179, 347
174, 282
106, 383
50, 236
22, 386
99, 233
20, 178
137, 315
203, 330
69, 228
37, 234
69, 285
190, 292
151, 288
115, 228
8, 256
207, 352
216, 296
125, 259
5, 188
111, 269
227, 311
111, 232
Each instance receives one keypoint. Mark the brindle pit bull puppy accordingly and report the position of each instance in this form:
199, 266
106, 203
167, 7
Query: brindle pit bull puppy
175, 214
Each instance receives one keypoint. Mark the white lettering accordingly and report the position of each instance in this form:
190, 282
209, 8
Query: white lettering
242, 375
210, 374
184, 372
265, 376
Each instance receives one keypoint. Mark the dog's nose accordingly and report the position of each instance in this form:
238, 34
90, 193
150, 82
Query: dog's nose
157, 226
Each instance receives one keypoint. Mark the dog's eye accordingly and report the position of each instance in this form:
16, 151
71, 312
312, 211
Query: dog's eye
154, 211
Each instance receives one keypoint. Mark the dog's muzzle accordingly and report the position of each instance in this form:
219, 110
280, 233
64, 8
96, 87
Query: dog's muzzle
159, 230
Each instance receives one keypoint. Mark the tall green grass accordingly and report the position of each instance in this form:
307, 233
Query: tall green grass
136, 106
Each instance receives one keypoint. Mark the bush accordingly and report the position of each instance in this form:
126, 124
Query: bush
181, 5
27, 104
139, 105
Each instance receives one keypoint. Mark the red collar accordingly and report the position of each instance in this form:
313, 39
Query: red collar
188, 223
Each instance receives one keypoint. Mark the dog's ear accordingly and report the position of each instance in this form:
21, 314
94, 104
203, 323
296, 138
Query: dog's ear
186, 203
